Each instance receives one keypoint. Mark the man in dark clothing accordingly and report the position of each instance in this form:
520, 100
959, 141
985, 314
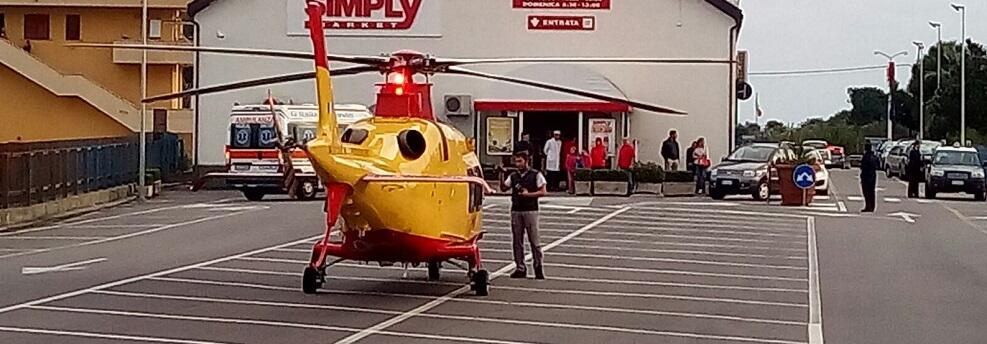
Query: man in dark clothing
670, 151
526, 185
868, 178
524, 145
913, 170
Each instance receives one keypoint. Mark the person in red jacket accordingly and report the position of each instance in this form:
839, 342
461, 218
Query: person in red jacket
625, 160
598, 155
571, 164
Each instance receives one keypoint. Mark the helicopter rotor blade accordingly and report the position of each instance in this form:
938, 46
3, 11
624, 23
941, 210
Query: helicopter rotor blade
461, 62
367, 60
258, 82
568, 90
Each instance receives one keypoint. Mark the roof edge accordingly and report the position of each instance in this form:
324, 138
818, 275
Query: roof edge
725, 6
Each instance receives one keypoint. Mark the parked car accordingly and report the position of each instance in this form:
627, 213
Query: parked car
822, 147
956, 169
884, 150
855, 159
747, 171
822, 173
898, 160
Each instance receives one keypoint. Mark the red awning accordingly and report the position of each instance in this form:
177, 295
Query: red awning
527, 105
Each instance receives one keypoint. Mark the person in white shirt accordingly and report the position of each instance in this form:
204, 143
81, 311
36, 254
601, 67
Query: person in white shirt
553, 160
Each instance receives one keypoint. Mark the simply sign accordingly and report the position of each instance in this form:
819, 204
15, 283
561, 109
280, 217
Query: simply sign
419, 18
562, 23
564, 5
804, 176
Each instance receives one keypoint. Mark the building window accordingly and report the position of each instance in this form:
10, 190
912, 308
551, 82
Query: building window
73, 30
36, 26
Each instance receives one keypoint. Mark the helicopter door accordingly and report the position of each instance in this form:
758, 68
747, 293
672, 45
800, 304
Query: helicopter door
475, 190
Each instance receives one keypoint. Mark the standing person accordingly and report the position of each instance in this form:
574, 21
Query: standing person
553, 157
524, 145
868, 178
670, 151
598, 155
526, 185
689, 163
913, 170
572, 162
625, 161
700, 163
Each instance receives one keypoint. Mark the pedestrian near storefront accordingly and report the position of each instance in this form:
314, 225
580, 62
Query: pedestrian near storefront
553, 163
625, 161
700, 158
689, 163
526, 186
913, 170
572, 163
524, 145
598, 155
868, 178
670, 151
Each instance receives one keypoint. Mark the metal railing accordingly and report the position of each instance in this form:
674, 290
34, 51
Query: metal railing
38, 172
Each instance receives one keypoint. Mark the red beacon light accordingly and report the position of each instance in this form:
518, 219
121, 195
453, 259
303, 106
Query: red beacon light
401, 96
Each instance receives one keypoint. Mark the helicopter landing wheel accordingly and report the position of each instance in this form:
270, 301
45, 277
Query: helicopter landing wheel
480, 282
433, 270
312, 279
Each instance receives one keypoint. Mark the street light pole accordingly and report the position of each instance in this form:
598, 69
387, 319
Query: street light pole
141, 180
920, 63
962, 10
890, 86
938, 27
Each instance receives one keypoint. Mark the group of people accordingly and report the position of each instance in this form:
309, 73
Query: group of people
697, 158
870, 164
558, 165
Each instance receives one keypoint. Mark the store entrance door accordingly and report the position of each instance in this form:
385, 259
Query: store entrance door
540, 126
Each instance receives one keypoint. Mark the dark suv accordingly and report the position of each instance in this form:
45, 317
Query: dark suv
956, 170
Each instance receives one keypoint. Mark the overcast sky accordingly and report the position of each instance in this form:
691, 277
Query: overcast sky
786, 35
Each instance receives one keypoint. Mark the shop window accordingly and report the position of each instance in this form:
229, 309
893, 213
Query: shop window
36, 27
73, 28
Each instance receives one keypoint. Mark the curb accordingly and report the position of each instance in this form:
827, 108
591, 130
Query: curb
74, 213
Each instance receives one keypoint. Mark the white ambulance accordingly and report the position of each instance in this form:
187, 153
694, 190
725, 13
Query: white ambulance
254, 164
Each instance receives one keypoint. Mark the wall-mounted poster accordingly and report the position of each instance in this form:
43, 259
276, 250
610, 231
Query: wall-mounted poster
604, 129
500, 135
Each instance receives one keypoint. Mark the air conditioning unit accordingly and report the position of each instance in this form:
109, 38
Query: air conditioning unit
458, 105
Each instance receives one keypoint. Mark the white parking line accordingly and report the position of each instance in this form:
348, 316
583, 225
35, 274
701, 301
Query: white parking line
149, 211
385, 332
708, 229
739, 224
842, 206
631, 241
687, 217
668, 260
690, 252
668, 272
815, 312
650, 232
150, 275
97, 241
435, 303
143, 225
102, 335
264, 322
670, 243
465, 300
892, 200
80, 238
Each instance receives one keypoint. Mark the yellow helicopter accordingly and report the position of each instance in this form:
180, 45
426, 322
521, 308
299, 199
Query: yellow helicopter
409, 187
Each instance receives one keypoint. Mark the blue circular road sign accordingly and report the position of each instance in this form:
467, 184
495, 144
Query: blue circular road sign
804, 176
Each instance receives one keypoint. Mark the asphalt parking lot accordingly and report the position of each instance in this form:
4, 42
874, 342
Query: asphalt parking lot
617, 273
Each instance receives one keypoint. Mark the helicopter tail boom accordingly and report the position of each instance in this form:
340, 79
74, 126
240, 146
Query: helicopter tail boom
328, 123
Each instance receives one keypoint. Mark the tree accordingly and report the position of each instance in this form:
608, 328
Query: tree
943, 105
869, 104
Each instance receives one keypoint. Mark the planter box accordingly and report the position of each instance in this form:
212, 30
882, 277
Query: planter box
672, 189
610, 188
153, 189
648, 188
792, 195
584, 188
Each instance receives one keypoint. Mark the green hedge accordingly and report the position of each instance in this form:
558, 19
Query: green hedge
679, 177
648, 172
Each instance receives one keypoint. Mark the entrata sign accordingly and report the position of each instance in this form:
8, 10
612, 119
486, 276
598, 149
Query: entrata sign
564, 5
562, 23
370, 18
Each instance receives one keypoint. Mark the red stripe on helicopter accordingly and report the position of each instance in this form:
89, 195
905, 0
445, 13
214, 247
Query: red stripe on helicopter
315, 10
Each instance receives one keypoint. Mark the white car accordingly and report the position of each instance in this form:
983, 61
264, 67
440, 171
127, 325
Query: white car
822, 174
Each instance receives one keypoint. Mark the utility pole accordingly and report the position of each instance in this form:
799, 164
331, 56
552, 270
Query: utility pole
938, 27
919, 62
962, 10
891, 87
141, 180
